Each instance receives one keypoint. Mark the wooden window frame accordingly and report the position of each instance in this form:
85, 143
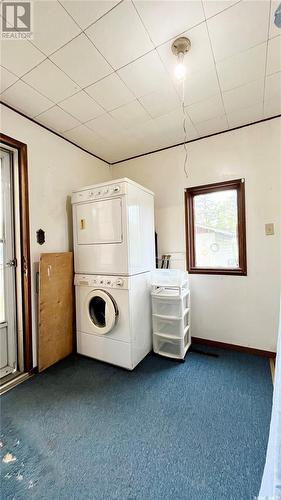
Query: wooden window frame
25, 247
190, 193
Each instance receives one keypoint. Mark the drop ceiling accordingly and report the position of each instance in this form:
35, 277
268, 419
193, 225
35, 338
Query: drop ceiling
100, 73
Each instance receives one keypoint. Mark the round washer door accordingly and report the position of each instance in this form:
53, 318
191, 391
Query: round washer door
102, 311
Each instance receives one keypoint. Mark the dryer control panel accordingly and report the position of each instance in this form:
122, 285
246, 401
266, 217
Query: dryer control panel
99, 193
101, 281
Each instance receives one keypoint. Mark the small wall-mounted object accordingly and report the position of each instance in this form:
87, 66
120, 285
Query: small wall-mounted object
40, 236
269, 229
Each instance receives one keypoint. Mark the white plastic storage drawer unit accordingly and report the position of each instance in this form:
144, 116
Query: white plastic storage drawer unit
171, 326
167, 302
171, 347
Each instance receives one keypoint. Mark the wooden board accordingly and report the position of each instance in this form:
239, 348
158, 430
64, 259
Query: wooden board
56, 308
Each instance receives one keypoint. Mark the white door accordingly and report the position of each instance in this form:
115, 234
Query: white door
8, 343
99, 222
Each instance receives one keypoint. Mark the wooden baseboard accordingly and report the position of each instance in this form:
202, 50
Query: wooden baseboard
234, 347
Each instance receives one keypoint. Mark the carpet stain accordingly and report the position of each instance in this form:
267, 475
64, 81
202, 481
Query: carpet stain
9, 458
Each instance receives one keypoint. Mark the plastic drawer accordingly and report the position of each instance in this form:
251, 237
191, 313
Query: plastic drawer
171, 326
173, 305
171, 347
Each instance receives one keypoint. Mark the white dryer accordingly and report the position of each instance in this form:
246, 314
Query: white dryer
113, 318
113, 229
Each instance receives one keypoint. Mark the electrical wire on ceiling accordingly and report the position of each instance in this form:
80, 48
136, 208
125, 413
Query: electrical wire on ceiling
179, 48
184, 130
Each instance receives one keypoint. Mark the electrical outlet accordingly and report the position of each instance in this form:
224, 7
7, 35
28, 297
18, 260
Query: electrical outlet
269, 229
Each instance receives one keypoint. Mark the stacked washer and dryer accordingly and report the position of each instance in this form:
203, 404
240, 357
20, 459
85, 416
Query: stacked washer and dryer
114, 253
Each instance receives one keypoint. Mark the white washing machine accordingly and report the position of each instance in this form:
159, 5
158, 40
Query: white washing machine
113, 229
113, 318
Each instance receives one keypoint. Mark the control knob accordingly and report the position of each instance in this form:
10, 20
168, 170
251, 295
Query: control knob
119, 282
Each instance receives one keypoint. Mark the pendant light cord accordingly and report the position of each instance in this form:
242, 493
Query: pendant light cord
185, 131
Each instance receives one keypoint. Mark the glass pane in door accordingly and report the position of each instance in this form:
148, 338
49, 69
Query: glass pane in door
2, 295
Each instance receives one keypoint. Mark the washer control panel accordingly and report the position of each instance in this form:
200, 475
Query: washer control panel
101, 281
99, 193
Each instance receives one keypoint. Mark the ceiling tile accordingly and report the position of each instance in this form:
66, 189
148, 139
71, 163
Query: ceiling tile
110, 92
212, 126
145, 75
102, 150
273, 87
165, 20
57, 119
273, 30
205, 110
81, 61
236, 29
274, 55
200, 86
244, 96
86, 12
6, 79
242, 68
126, 38
245, 115
160, 102
84, 137
213, 7
104, 125
19, 56
171, 126
272, 108
53, 27
51, 81
82, 107
130, 114
200, 55
25, 99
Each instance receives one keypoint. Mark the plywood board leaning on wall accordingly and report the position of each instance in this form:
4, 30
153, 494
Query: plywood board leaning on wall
56, 308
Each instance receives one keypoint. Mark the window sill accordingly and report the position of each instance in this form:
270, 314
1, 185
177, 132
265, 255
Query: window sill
219, 272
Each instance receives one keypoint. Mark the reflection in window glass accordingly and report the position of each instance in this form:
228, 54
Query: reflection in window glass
215, 230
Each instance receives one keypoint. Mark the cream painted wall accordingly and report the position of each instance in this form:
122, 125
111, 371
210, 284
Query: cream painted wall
55, 168
232, 309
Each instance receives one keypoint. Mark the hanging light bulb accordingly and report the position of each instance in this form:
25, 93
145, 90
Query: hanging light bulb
179, 48
180, 69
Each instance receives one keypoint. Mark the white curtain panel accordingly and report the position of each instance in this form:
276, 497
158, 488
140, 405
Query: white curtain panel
271, 481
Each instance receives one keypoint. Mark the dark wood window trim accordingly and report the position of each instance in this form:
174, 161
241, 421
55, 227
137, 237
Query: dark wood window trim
237, 184
25, 246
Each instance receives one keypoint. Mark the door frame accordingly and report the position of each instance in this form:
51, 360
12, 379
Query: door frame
25, 247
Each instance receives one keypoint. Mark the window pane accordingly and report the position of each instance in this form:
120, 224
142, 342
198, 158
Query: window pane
215, 228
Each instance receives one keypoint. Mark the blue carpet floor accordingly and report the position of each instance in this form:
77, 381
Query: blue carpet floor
86, 430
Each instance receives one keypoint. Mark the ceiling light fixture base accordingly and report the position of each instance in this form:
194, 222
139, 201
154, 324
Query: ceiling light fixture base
181, 45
